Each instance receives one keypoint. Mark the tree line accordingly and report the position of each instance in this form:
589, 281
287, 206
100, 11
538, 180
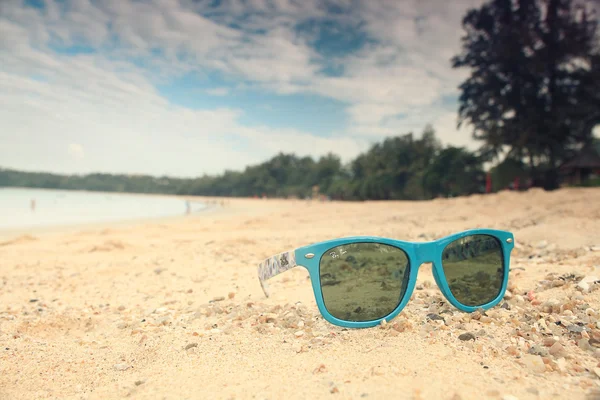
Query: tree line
402, 167
532, 100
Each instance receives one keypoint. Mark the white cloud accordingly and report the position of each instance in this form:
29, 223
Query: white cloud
221, 91
370, 114
446, 131
108, 105
76, 151
129, 126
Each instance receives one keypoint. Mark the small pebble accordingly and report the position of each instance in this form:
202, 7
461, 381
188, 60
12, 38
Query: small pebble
231, 295
575, 328
139, 382
191, 345
434, 317
557, 350
589, 312
534, 363
218, 298
299, 334
519, 299
466, 336
121, 367
270, 317
584, 344
538, 350
585, 335
586, 282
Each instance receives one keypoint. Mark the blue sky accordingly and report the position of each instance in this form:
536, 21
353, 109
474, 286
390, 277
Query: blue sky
183, 88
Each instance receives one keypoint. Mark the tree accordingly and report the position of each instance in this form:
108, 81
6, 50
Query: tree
400, 167
507, 171
534, 69
453, 172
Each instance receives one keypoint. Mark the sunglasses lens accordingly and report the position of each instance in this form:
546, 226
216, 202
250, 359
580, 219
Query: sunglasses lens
474, 269
363, 281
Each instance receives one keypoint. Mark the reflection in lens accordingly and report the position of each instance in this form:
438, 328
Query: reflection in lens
474, 269
363, 281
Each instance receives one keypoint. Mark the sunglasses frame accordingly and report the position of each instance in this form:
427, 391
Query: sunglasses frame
418, 253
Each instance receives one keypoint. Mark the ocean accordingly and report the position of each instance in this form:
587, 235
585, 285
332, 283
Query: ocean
65, 207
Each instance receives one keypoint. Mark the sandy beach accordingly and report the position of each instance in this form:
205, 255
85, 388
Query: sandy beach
173, 309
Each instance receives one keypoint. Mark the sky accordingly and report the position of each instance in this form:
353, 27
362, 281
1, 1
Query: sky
185, 88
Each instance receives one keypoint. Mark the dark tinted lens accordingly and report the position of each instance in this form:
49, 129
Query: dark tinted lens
474, 269
363, 281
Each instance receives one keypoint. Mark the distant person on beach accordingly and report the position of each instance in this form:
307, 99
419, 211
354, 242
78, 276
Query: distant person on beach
32, 205
188, 207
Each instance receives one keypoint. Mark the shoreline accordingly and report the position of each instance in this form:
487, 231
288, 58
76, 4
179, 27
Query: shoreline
236, 205
209, 208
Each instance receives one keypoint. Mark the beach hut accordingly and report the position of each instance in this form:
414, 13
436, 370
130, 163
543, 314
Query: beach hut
582, 167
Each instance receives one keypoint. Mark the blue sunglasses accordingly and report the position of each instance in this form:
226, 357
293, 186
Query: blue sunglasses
360, 281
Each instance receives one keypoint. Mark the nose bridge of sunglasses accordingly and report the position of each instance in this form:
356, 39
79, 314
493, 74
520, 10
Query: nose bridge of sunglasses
425, 252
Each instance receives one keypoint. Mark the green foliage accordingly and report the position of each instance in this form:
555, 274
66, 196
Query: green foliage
505, 173
398, 168
594, 182
453, 172
394, 169
534, 87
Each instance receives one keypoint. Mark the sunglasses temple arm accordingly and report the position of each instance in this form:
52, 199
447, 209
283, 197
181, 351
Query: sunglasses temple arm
275, 265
